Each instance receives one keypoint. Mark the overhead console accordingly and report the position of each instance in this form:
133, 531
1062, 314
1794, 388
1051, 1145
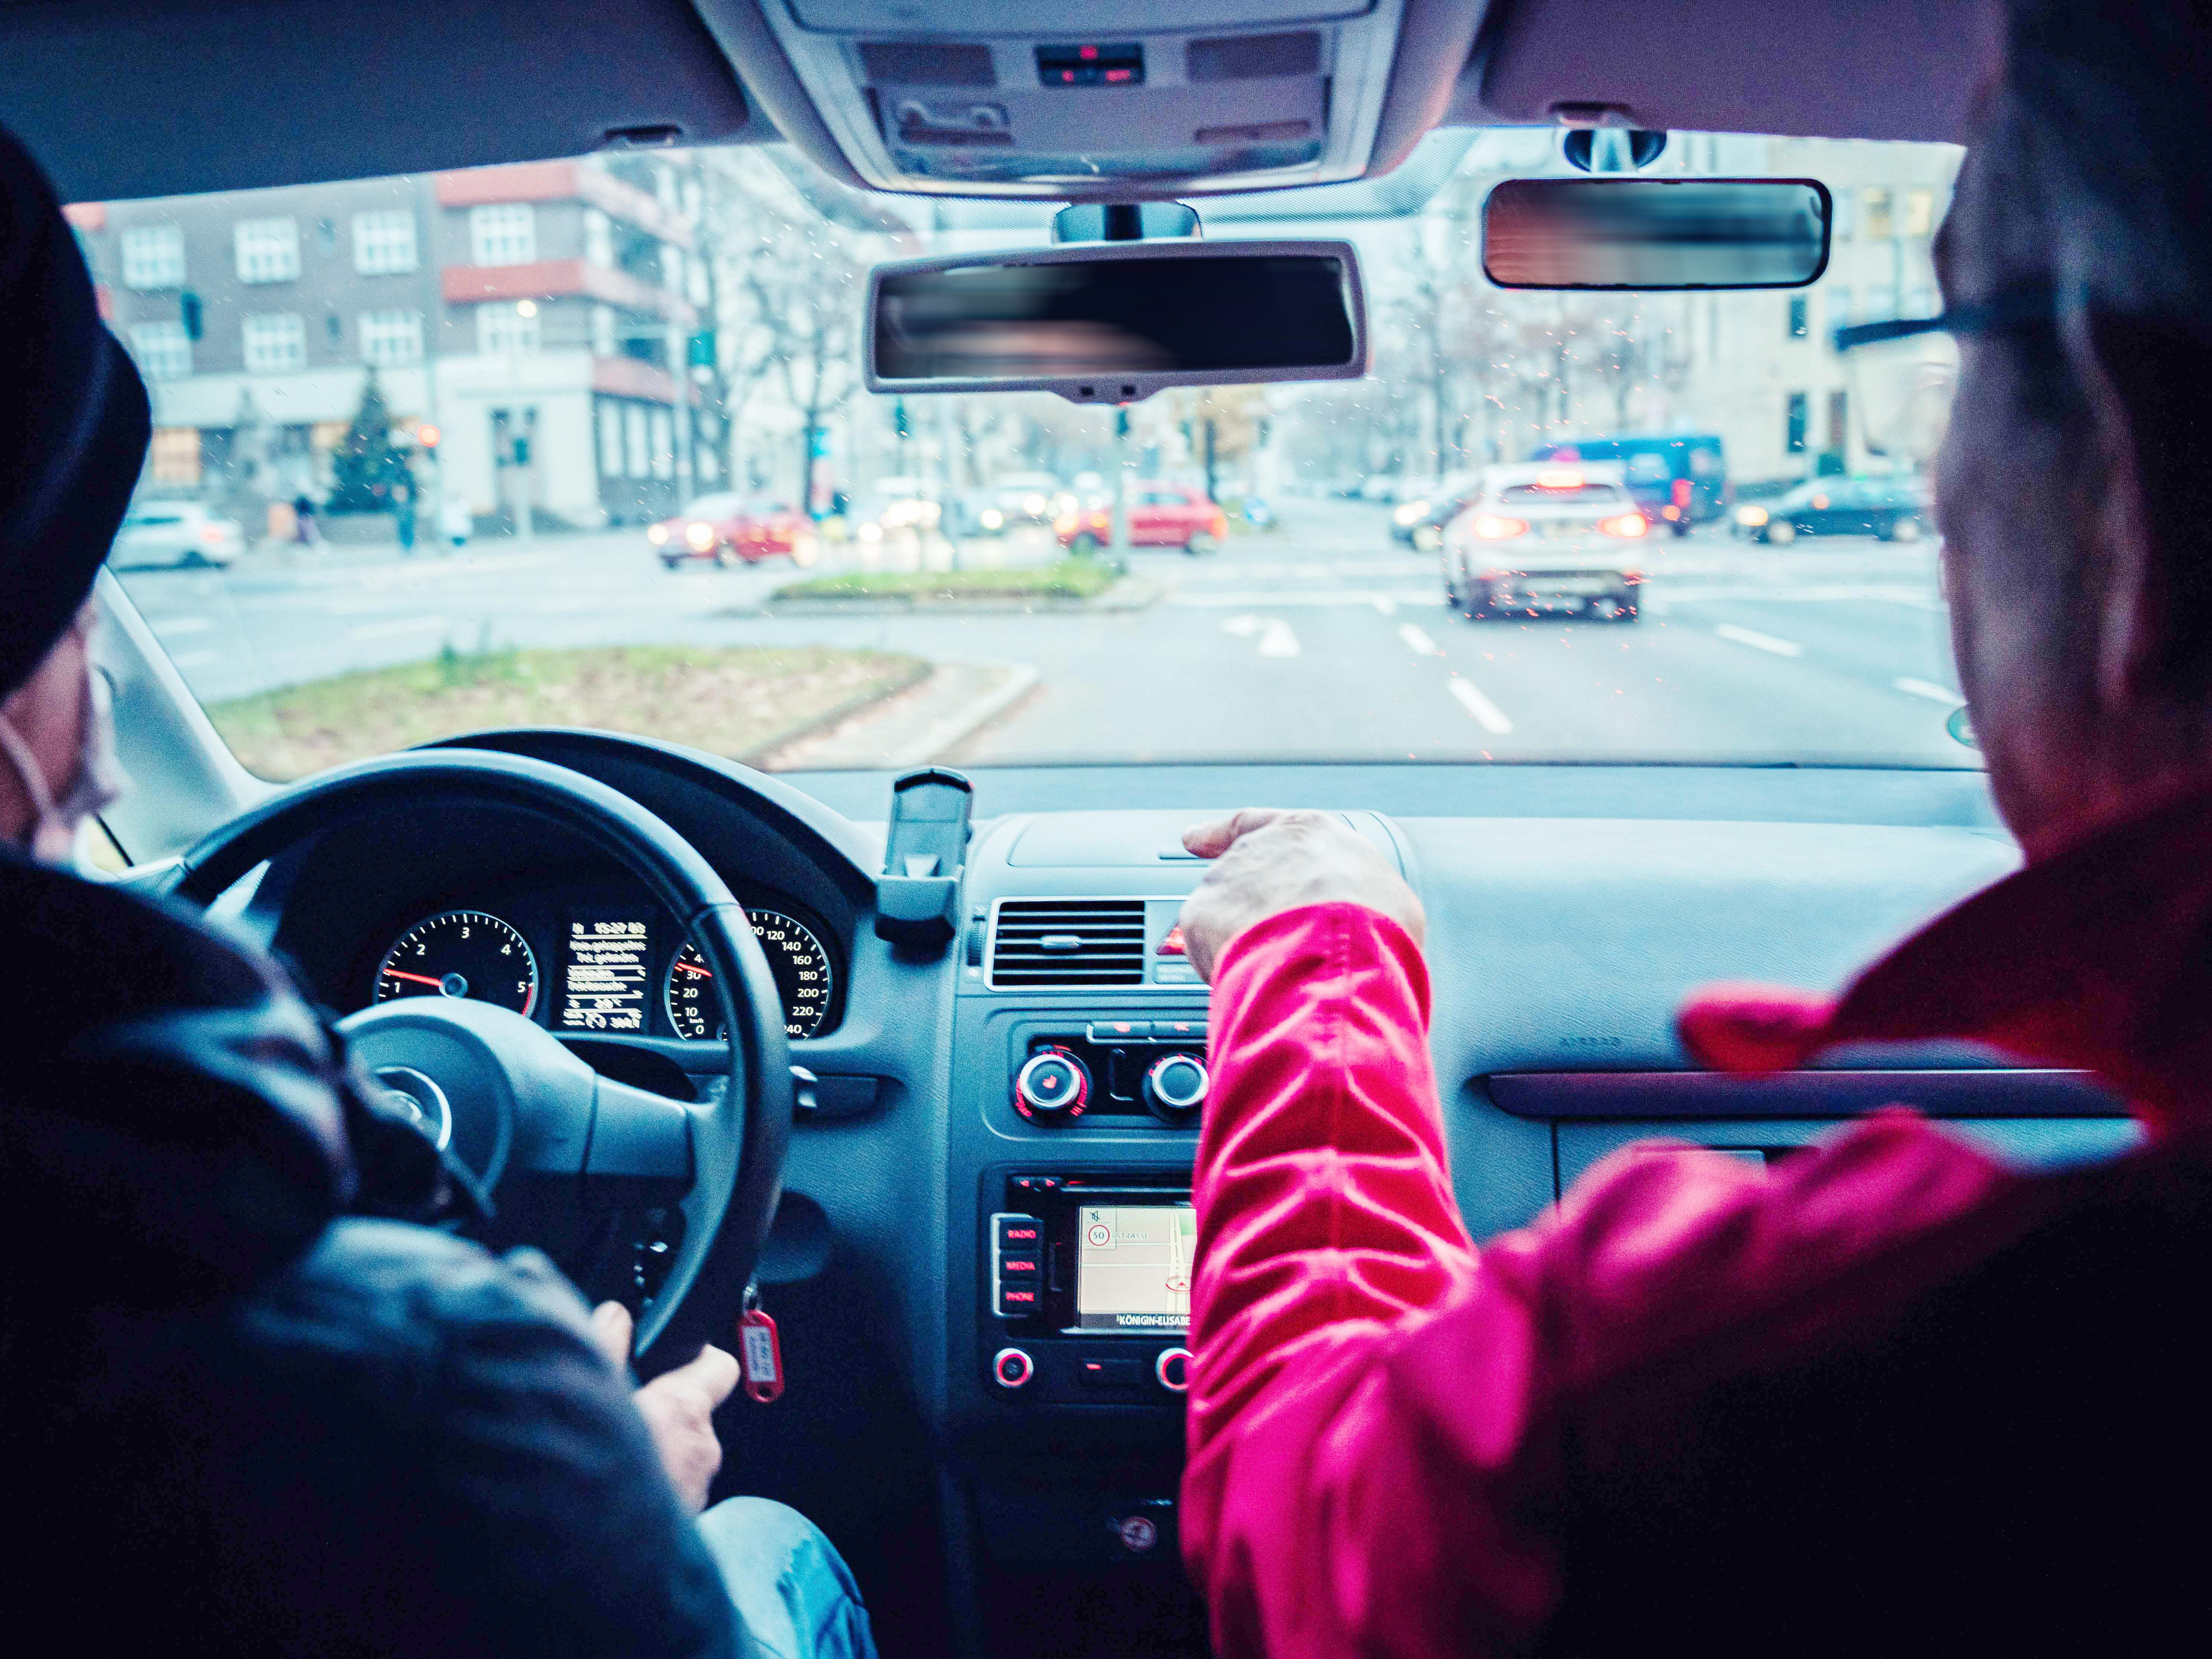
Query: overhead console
1092, 101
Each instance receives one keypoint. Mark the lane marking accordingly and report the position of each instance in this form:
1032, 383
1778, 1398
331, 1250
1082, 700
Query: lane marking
1242, 627
1929, 689
1759, 642
1277, 640
1419, 642
1487, 713
400, 625
168, 627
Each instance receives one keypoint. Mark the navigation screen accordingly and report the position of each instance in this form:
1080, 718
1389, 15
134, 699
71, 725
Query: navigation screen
1133, 1267
602, 979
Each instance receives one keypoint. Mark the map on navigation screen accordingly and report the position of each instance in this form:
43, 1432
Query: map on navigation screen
1134, 1270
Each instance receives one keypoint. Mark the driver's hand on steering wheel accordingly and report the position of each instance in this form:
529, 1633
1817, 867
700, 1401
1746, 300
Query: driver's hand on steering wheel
678, 1406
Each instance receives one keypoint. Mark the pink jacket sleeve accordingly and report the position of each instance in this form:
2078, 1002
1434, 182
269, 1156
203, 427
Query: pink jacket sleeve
1374, 1407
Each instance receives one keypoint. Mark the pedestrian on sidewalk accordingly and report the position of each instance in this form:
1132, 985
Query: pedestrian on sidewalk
305, 530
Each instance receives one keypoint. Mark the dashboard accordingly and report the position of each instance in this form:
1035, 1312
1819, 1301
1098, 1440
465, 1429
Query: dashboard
981, 1264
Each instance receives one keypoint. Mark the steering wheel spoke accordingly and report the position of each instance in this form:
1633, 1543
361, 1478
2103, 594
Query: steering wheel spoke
641, 1148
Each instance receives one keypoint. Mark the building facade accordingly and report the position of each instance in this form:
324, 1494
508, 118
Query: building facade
539, 317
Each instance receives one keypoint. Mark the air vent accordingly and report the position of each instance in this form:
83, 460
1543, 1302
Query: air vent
923, 63
1254, 57
1047, 942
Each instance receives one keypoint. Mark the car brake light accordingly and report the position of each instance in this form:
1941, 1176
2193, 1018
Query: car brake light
1626, 523
1492, 528
210, 533
1561, 478
1681, 492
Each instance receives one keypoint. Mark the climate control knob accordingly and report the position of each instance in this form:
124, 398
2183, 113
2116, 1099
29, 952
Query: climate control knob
1052, 1087
1176, 1087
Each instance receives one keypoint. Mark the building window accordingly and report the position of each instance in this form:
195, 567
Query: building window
174, 456
671, 267
611, 441
1919, 212
1876, 206
268, 250
633, 439
1793, 438
598, 238
333, 329
1840, 302
1881, 303
326, 237
603, 331
164, 350
1842, 200
502, 329
664, 445
384, 243
1920, 302
390, 339
503, 235
154, 256
1800, 327
275, 341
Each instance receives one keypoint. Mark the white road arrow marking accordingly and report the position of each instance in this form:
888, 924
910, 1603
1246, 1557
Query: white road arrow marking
1277, 640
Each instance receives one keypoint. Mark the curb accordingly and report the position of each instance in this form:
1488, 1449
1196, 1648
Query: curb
836, 716
1130, 594
963, 723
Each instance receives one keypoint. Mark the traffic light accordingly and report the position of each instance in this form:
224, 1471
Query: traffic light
189, 313
428, 436
898, 419
699, 350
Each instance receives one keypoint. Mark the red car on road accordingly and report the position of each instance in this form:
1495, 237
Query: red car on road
733, 530
1160, 515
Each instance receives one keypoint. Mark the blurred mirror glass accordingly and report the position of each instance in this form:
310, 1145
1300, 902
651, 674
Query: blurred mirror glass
1656, 233
1219, 313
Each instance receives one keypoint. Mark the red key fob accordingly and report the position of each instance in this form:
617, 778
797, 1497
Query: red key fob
760, 1356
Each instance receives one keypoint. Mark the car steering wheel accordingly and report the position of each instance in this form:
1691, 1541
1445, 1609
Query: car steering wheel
519, 1110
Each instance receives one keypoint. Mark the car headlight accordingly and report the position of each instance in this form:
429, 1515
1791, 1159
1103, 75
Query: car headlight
699, 536
1412, 512
928, 512
1751, 517
992, 518
871, 532
1033, 505
658, 535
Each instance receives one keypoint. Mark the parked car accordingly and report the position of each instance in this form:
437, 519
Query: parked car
1888, 509
1538, 538
182, 533
732, 529
1679, 480
1160, 515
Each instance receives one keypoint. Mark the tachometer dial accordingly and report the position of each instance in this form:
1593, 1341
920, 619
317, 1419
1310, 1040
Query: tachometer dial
795, 958
460, 953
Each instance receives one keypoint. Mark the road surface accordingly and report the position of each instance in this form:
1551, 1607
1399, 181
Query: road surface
1320, 641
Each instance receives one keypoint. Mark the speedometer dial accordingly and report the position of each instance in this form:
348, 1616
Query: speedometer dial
460, 953
795, 958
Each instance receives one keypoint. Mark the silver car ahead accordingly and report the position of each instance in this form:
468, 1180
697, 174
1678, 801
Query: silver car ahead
1547, 537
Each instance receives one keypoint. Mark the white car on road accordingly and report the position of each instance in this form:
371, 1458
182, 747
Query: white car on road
1546, 536
182, 533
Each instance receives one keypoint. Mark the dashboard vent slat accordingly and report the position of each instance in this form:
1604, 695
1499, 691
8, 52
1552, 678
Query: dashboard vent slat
1041, 943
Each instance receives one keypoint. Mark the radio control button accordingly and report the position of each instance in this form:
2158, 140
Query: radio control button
1013, 1265
1017, 1301
1023, 1231
1052, 1085
1011, 1369
1173, 1369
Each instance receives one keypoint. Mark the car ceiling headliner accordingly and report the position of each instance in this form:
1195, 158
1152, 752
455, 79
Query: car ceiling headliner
128, 98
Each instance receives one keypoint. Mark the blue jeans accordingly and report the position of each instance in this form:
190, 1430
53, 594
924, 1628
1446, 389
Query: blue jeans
795, 1595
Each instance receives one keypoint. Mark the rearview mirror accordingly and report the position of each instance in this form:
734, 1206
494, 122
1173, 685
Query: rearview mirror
1660, 233
1116, 322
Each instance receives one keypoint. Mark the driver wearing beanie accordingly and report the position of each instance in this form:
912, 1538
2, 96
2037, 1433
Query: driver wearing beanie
285, 1416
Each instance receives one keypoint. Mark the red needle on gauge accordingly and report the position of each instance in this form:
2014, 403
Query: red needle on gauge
420, 978
690, 967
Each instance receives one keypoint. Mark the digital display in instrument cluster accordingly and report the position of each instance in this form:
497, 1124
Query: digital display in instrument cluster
606, 970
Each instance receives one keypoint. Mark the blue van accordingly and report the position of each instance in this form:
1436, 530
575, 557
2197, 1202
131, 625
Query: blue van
1678, 480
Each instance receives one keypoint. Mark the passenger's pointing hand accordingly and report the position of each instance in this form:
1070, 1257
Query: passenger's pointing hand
1268, 860
678, 1406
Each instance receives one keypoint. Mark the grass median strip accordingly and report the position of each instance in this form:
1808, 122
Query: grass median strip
1066, 578
739, 700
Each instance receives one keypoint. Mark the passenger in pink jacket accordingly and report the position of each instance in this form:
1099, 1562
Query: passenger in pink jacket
1891, 1396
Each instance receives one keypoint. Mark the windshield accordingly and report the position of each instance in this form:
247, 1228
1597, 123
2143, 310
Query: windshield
585, 443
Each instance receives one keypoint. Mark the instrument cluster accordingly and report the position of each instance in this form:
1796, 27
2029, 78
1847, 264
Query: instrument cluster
590, 964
